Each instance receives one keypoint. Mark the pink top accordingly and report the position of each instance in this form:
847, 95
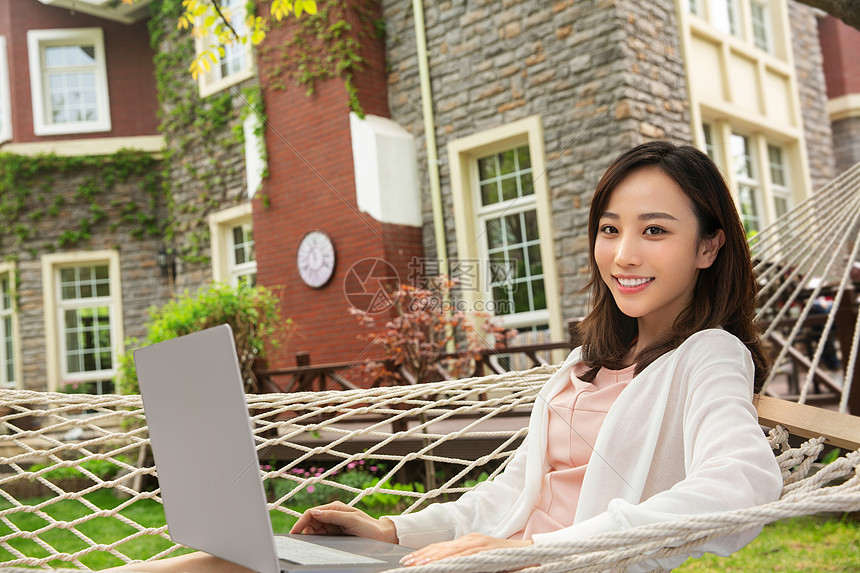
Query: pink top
575, 416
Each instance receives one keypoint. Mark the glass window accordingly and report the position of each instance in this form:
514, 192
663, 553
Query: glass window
86, 330
243, 261
7, 348
234, 58
710, 148
234, 256
695, 7
779, 180
724, 16
508, 217
68, 80
749, 188
760, 24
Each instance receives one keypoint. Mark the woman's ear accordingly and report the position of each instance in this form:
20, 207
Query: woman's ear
709, 248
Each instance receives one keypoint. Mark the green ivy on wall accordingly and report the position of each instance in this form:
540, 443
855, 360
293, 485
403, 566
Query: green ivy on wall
323, 46
27, 195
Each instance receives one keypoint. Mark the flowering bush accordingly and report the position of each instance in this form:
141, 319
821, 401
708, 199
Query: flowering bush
419, 339
358, 475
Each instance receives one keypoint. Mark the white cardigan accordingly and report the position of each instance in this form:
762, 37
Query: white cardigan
683, 438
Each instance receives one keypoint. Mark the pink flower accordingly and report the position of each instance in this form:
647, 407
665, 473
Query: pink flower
311, 489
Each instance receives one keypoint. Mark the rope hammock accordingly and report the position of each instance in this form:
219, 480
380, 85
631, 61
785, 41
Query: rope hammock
466, 426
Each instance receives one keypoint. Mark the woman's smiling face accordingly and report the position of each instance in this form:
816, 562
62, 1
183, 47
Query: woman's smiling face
648, 250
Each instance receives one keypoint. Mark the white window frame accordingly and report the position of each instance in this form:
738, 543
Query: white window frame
221, 224
211, 81
9, 270
783, 190
767, 27
751, 181
766, 190
5, 97
494, 212
732, 16
36, 41
463, 155
54, 339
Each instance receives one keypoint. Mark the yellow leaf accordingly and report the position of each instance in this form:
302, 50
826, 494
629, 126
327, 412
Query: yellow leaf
310, 7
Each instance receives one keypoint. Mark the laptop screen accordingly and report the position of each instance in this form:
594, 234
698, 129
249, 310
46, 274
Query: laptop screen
203, 446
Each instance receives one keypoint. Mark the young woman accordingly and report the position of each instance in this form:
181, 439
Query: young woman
669, 344
651, 419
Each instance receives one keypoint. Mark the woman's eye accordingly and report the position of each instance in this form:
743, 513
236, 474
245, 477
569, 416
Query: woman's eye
654, 231
608, 229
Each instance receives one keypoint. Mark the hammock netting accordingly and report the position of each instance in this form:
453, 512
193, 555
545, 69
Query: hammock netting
54, 448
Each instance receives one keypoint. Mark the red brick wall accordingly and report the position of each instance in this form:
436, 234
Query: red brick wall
130, 70
311, 186
840, 45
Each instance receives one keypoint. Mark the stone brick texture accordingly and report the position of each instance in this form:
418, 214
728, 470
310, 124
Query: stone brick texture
811, 86
847, 133
143, 284
205, 164
602, 75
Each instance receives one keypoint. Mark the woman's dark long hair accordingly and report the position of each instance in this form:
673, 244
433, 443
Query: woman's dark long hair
725, 293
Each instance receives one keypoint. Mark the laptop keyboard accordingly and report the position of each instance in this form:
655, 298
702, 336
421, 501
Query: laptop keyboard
307, 553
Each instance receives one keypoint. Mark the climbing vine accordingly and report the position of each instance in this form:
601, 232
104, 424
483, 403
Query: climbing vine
28, 196
324, 46
197, 132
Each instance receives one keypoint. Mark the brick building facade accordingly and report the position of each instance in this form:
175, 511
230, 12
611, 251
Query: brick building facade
530, 101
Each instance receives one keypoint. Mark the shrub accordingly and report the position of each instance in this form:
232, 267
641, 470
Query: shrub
252, 312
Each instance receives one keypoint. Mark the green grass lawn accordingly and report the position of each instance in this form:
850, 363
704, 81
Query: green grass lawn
800, 544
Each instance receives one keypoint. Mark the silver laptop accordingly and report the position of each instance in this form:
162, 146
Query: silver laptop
208, 468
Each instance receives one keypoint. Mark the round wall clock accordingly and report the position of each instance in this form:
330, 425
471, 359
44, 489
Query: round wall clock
315, 258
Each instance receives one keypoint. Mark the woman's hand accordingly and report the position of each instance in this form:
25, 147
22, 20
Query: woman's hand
337, 518
466, 545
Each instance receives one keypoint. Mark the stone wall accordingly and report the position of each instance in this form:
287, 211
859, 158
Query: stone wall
121, 229
847, 133
205, 161
808, 64
602, 75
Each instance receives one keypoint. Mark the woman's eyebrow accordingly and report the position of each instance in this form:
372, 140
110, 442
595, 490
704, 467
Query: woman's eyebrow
642, 216
657, 215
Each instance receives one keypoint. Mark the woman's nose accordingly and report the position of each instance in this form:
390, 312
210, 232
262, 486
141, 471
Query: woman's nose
626, 252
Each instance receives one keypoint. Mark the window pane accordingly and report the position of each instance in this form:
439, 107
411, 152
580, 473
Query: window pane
749, 209
501, 295
517, 259
489, 193
526, 184
509, 189
535, 263
759, 24
487, 167
521, 298
494, 233
781, 204
531, 225
724, 14
513, 229
538, 295
506, 162
741, 156
777, 168
524, 158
